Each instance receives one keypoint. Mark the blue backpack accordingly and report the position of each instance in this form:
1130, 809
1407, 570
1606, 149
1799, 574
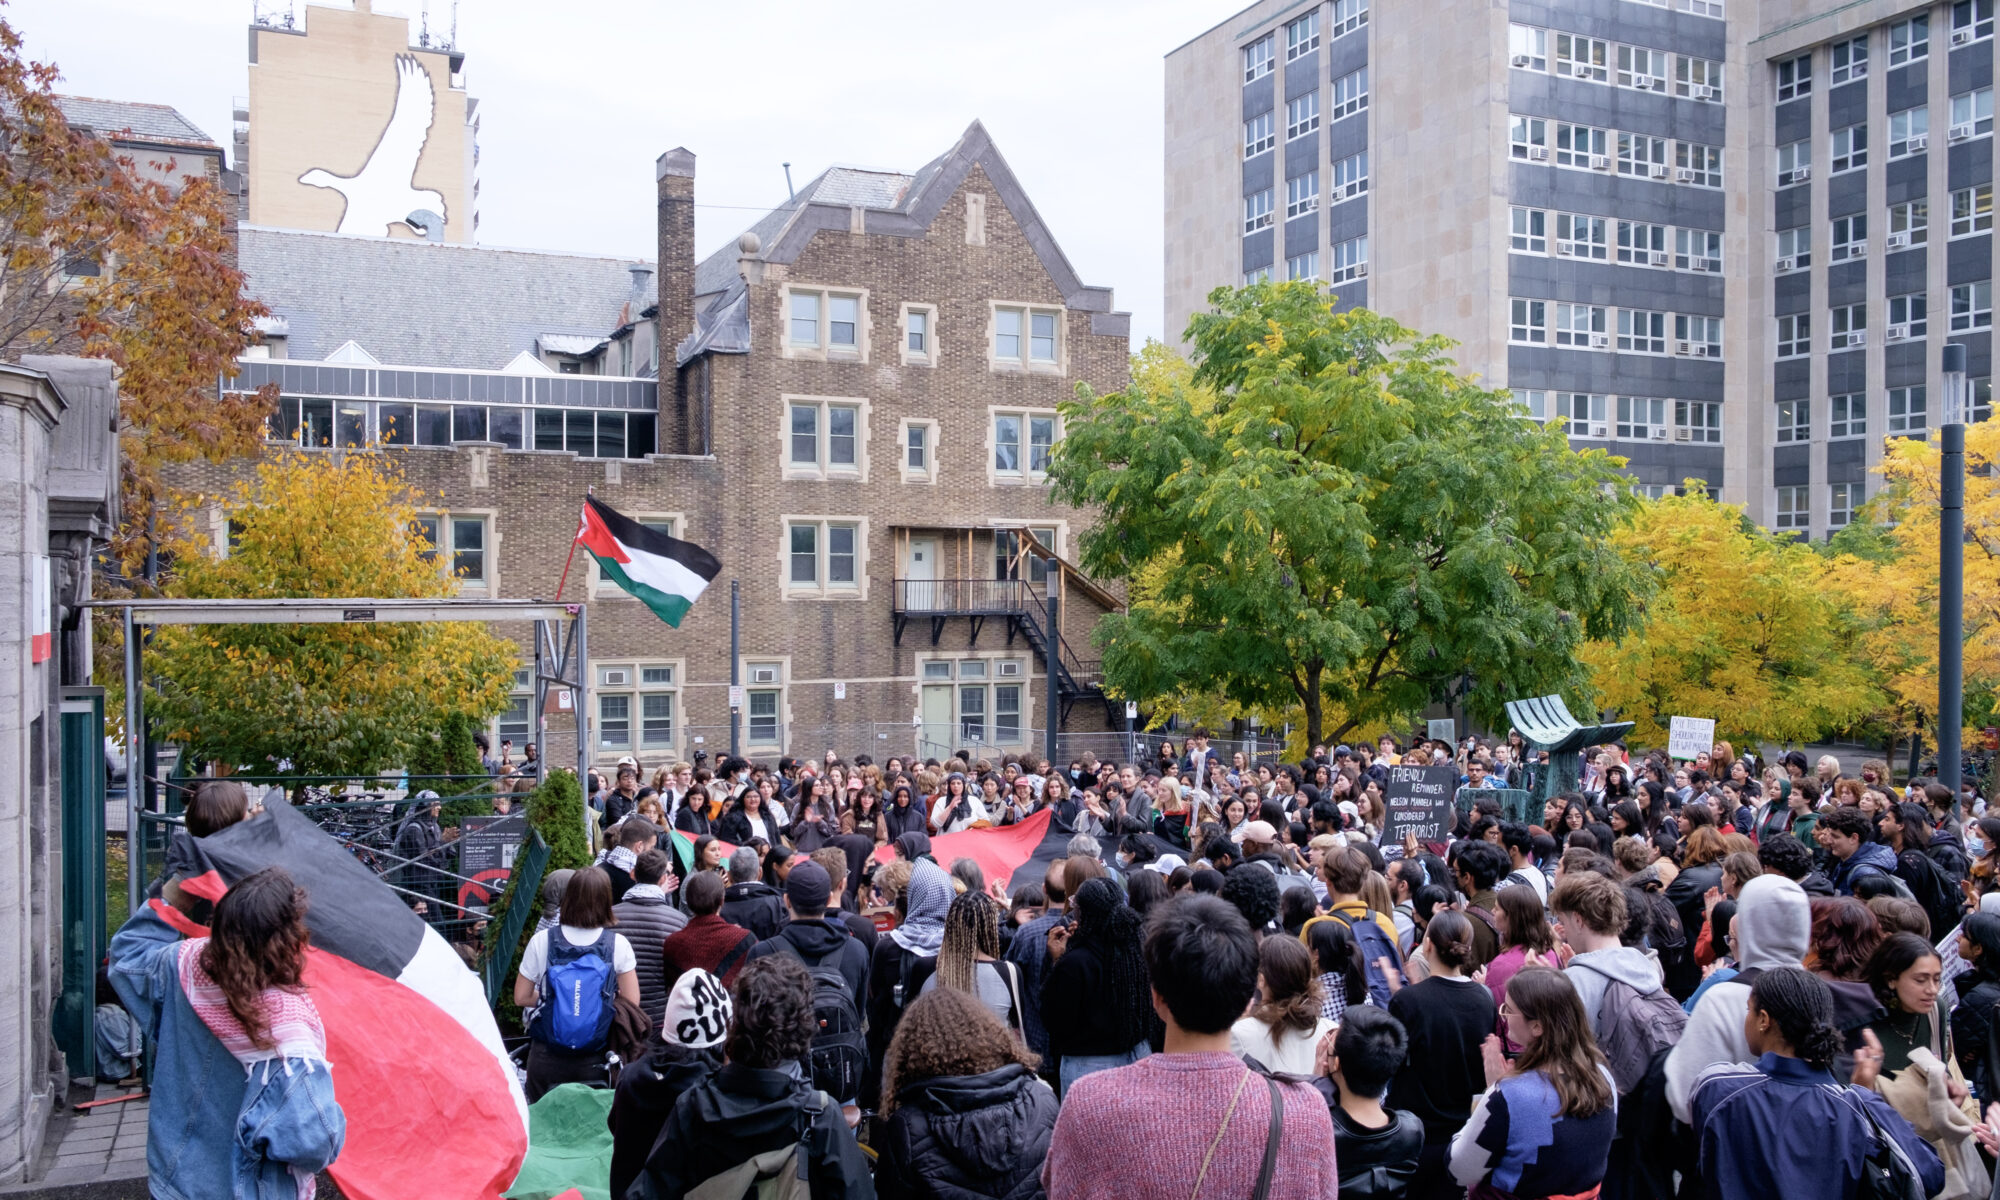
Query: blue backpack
576, 1008
1375, 945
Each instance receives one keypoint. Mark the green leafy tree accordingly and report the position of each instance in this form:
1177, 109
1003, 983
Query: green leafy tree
555, 810
333, 699
449, 758
1323, 512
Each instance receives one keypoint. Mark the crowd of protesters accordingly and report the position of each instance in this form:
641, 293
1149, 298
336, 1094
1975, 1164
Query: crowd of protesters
1721, 977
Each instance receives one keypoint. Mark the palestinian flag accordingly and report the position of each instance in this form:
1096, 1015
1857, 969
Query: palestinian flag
430, 1096
664, 573
1020, 854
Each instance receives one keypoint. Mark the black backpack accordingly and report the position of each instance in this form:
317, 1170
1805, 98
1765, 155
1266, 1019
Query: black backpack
1666, 935
1932, 888
839, 1051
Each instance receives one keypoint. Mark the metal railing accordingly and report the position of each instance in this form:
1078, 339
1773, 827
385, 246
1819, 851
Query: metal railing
500, 952
994, 597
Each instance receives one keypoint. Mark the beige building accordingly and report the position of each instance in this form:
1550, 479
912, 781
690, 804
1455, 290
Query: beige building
350, 127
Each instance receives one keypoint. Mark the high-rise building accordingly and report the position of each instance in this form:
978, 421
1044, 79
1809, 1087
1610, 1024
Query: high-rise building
352, 127
1648, 217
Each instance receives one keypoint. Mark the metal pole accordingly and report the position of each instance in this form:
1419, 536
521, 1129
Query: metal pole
1054, 643
735, 662
1131, 751
1951, 571
536, 721
582, 657
134, 860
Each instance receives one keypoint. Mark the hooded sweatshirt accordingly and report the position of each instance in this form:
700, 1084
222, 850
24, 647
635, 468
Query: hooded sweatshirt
1591, 972
1869, 858
1773, 927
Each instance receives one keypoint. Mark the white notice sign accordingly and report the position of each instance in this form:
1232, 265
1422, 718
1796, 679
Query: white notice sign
1689, 736
840, 691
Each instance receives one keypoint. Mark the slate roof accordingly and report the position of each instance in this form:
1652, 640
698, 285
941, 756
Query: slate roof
150, 122
429, 304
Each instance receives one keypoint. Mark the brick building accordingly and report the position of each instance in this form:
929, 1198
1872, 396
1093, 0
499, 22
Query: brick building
851, 405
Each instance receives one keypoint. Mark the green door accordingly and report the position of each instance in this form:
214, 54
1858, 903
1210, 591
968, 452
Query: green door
83, 786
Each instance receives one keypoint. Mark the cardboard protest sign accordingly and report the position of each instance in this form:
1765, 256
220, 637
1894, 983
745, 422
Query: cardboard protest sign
1419, 802
1690, 736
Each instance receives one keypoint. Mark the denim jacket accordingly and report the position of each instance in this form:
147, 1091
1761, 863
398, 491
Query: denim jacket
210, 1120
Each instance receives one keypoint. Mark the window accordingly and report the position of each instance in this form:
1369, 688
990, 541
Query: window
1350, 260
467, 546
1579, 236
823, 437
1982, 398
1579, 145
1848, 326
1348, 16
1259, 134
1794, 510
1910, 40
1794, 420
1640, 418
1302, 194
1698, 421
1847, 416
1642, 332
761, 727
1528, 138
1528, 322
1583, 58
1971, 114
1849, 149
829, 322
1700, 8
1007, 430
1303, 266
1909, 224
1257, 58
1009, 549
516, 722
635, 701
1534, 402
1702, 335
918, 442
1302, 36
1642, 244
1645, 157
1350, 177
1972, 210
1841, 501
1909, 131
822, 555
1698, 164
1256, 215
1530, 230
1256, 275
1350, 94
1795, 248
1795, 77
1972, 306
1030, 337
1583, 326
1528, 47
1847, 60
1697, 78
919, 334
1908, 317
1697, 250
1301, 115
1585, 414
1849, 238
1906, 410
1641, 68
1971, 20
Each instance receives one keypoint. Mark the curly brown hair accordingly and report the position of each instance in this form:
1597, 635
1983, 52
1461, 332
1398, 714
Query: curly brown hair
947, 1032
1289, 986
256, 942
772, 1022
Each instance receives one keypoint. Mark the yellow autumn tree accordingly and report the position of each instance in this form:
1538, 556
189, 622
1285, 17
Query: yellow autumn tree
1893, 588
1745, 628
331, 699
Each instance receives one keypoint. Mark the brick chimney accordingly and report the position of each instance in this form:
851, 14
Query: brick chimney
675, 170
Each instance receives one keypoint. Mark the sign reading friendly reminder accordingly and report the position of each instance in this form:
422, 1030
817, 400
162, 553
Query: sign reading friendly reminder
1419, 802
1688, 737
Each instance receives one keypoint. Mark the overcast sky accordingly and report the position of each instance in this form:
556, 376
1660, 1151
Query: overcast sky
578, 98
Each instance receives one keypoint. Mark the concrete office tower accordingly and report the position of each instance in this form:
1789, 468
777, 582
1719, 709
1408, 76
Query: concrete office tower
1544, 183
351, 127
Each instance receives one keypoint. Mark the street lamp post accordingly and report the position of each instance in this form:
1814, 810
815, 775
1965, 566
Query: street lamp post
1951, 570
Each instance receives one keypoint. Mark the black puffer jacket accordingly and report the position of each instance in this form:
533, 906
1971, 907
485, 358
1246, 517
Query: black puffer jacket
972, 1137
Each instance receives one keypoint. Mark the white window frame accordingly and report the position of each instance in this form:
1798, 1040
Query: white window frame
969, 673
1302, 115
506, 725
1641, 331
1911, 221
1908, 410
445, 550
1256, 275
1972, 306
777, 693
1841, 501
823, 466
1528, 321
1028, 360
1579, 57
1794, 421
1643, 69
1910, 40
1698, 164
1794, 248
1582, 146
1909, 313
1847, 237
1350, 260
1909, 132
1303, 266
823, 349
1644, 244
1703, 335
822, 586
1257, 210
1794, 337
1534, 402
1981, 400
928, 356
1641, 419
1847, 148
634, 691
1847, 326
1302, 35
1348, 16
1698, 250
1581, 235
1023, 470
1697, 79
928, 472
600, 588
1698, 421
1973, 16
1847, 416
1794, 162
1528, 230
1349, 95
1530, 43
1350, 178
1641, 155
1260, 133
1793, 508
1847, 60
1583, 326
1302, 194
1583, 414
1792, 77
1259, 57
1972, 210
1972, 114
1528, 138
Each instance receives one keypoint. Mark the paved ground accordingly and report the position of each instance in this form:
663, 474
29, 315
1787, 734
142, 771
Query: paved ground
98, 1152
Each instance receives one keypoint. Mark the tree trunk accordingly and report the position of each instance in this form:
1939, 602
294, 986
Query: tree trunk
1315, 705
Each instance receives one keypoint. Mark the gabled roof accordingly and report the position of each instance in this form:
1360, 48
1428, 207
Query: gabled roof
144, 122
902, 206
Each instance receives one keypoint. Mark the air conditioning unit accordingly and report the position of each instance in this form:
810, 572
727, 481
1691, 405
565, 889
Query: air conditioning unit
1787, 264
1960, 132
1659, 170
1858, 249
763, 674
1361, 270
1600, 162
1801, 174
1009, 669
1701, 349
1703, 91
1683, 435
1522, 60
1659, 258
1538, 154
1684, 175
1856, 339
1858, 70
1961, 37
1919, 141
1599, 341
1580, 70
618, 678
1643, 81
1565, 250
1660, 434
1896, 241
1896, 333
1683, 347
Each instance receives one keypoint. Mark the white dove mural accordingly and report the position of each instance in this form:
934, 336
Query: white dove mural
382, 194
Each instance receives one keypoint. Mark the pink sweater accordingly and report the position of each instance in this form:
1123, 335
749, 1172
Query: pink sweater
1139, 1133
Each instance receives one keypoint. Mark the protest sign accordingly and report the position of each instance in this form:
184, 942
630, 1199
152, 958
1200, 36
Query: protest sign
486, 850
1690, 736
1419, 802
